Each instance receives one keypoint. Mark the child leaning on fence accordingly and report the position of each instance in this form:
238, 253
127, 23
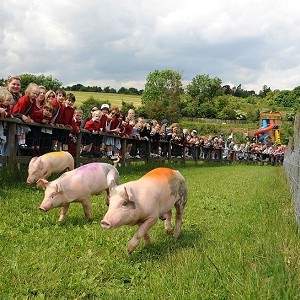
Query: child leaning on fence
5, 98
23, 110
95, 128
43, 116
57, 102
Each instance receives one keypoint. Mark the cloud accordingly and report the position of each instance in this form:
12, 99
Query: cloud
118, 43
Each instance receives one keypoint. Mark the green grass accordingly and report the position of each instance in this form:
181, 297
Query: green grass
113, 99
239, 241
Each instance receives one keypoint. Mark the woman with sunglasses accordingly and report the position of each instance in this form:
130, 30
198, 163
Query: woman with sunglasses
50, 96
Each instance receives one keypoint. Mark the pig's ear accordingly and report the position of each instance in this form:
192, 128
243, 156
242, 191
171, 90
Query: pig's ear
111, 179
33, 159
129, 199
59, 188
41, 183
41, 165
129, 194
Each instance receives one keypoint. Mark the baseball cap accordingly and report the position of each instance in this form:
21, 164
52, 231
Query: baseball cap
105, 106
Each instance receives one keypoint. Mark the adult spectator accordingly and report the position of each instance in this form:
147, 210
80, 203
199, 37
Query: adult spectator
14, 87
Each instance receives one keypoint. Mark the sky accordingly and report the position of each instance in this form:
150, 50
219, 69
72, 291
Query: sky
117, 43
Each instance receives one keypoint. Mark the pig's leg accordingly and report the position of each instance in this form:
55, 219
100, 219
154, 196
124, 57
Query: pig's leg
63, 212
147, 239
141, 232
168, 216
179, 205
86, 204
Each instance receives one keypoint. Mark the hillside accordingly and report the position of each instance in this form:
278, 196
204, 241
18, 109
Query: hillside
113, 99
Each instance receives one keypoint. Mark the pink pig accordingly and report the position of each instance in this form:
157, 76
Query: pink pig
77, 186
142, 202
52, 162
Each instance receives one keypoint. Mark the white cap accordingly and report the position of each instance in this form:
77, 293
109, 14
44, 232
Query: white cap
105, 106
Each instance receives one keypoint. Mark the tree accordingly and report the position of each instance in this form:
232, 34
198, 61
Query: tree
161, 96
265, 90
122, 90
207, 110
47, 81
204, 89
89, 103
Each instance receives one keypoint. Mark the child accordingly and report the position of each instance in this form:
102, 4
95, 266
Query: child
112, 126
126, 131
57, 102
43, 116
78, 116
23, 110
65, 119
94, 126
5, 99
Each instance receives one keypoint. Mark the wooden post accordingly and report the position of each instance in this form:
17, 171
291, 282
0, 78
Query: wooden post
11, 146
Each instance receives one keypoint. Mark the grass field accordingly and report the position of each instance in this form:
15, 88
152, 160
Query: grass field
239, 241
113, 99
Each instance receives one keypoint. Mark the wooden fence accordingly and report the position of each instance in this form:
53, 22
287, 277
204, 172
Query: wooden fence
14, 158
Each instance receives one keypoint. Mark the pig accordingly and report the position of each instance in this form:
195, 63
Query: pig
77, 186
142, 202
52, 162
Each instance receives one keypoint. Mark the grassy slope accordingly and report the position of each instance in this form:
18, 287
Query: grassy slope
238, 241
114, 99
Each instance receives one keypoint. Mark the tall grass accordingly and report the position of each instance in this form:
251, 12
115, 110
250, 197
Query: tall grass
239, 241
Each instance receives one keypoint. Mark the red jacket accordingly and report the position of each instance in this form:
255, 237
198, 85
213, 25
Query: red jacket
57, 108
125, 130
38, 117
113, 123
92, 125
25, 106
65, 117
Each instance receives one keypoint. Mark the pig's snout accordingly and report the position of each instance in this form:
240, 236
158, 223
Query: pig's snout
29, 182
42, 209
105, 224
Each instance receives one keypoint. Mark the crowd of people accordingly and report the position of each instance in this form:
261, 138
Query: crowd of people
106, 126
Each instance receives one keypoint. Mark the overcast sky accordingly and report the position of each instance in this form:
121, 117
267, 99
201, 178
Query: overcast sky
119, 42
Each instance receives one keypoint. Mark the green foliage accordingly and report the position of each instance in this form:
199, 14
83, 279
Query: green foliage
141, 111
204, 89
206, 110
47, 81
287, 98
238, 241
89, 103
202, 128
126, 106
162, 94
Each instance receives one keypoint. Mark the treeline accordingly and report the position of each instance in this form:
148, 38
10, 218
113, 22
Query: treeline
204, 97
81, 88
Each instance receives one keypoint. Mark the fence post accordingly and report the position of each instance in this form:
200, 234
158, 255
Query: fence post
11, 146
78, 149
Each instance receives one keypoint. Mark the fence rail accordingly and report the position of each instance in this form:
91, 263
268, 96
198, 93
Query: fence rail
15, 158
